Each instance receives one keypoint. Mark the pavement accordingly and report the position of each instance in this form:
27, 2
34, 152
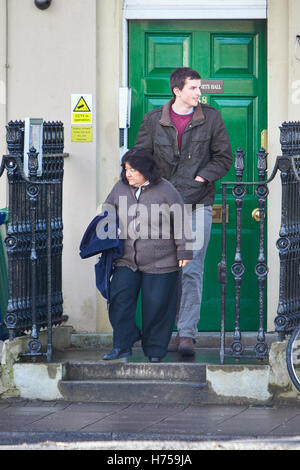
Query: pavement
60, 425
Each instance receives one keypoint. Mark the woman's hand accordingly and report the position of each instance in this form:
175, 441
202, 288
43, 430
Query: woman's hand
183, 262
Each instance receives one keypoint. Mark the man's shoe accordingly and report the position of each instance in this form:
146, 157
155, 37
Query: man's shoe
117, 353
154, 359
186, 346
173, 344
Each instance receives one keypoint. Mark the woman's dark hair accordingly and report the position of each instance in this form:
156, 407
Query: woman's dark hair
142, 161
179, 76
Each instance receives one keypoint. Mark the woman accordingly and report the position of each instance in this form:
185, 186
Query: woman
151, 260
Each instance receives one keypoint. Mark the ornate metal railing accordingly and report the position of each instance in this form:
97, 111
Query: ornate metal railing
34, 237
3, 277
288, 312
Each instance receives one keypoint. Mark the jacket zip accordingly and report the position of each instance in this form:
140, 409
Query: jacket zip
176, 140
134, 222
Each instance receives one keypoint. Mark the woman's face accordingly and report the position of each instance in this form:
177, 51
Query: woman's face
134, 177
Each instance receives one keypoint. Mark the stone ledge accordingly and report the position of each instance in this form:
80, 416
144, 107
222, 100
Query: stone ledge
38, 381
90, 340
254, 383
240, 382
61, 339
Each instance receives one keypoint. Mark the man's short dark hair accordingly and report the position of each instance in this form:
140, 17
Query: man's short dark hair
143, 161
179, 76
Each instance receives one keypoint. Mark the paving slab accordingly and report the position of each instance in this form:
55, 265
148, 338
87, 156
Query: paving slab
65, 421
94, 407
194, 420
254, 422
290, 427
134, 418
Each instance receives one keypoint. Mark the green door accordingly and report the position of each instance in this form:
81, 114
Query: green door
234, 52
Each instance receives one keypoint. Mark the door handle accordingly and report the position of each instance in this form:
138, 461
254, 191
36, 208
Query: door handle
264, 139
256, 214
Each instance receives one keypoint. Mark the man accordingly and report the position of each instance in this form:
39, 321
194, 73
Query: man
191, 143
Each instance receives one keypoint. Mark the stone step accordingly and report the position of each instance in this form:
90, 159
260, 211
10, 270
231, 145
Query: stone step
123, 381
135, 371
203, 340
134, 391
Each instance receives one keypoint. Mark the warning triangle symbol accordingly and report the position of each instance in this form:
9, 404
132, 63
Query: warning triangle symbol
81, 106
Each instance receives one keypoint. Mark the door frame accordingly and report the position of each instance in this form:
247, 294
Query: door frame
195, 9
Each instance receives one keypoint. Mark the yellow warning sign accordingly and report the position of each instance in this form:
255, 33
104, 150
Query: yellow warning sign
81, 106
82, 118
82, 115
82, 134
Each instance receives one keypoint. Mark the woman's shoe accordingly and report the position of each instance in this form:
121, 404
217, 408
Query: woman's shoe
117, 353
154, 359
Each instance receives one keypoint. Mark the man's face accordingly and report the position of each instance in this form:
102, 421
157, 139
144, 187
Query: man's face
190, 94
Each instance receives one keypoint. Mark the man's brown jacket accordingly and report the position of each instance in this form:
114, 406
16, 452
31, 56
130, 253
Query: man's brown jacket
205, 150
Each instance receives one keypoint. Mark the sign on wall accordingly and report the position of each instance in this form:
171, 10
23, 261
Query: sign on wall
82, 134
82, 117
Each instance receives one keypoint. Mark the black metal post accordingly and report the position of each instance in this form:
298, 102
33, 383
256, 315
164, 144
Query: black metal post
34, 237
222, 275
49, 273
238, 269
261, 268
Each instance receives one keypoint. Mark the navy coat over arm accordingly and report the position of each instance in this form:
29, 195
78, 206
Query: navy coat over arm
109, 248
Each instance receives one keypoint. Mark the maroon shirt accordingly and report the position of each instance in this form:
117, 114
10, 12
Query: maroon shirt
180, 121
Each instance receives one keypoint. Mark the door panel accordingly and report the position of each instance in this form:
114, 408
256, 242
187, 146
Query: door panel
239, 116
162, 53
232, 56
235, 52
151, 102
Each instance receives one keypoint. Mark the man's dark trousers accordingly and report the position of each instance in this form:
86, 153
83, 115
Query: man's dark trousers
159, 301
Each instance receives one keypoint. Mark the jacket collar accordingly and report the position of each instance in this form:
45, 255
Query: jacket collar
198, 115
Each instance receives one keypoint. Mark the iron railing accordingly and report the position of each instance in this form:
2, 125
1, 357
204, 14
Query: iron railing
288, 312
288, 244
34, 237
3, 277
